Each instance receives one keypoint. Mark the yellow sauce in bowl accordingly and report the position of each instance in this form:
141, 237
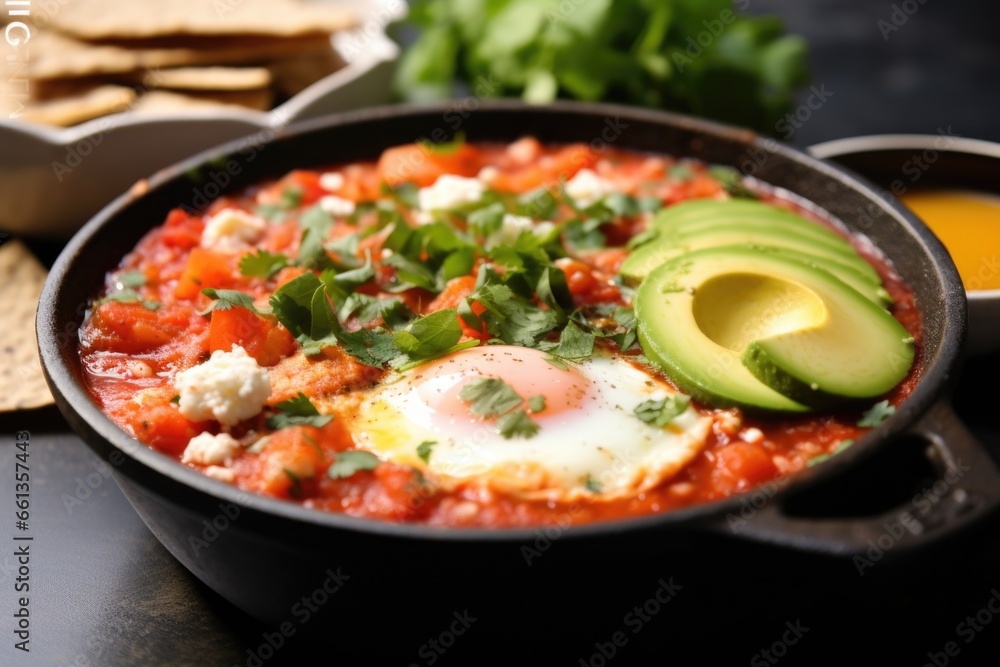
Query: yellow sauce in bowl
968, 224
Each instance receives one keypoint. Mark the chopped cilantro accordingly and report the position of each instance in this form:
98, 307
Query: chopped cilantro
176, 399
575, 344
295, 490
271, 212
132, 279
291, 197
494, 398
661, 412
732, 182
372, 347
224, 299
349, 462
844, 444
877, 414
445, 147
302, 306
366, 309
129, 295
680, 172
424, 450
410, 273
263, 264
298, 411
584, 234
316, 224
592, 485
431, 335
509, 317
625, 318
536, 403
516, 424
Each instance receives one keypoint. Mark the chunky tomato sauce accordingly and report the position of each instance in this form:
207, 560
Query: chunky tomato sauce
153, 321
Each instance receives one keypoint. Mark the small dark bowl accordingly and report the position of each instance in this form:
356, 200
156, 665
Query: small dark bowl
900, 163
264, 555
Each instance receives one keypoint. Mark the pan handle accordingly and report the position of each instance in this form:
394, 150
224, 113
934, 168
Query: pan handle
969, 485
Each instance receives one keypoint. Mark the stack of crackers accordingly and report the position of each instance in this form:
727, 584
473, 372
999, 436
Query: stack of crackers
89, 58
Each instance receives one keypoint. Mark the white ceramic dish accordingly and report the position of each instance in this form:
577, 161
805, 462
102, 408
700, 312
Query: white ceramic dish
899, 162
52, 180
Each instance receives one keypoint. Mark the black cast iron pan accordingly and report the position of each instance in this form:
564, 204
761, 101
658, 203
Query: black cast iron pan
265, 555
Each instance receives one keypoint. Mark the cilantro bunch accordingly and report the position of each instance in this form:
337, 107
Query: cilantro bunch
695, 56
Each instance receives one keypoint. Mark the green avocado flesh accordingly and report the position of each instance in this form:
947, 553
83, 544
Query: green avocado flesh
734, 326
852, 269
775, 220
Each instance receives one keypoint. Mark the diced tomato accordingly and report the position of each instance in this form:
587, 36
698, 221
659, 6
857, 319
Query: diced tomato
416, 163
205, 268
182, 230
586, 284
742, 465
127, 327
453, 294
292, 457
263, 339
164, 427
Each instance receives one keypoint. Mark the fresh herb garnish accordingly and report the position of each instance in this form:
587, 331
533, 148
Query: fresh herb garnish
303, 307
424, 450
574, 344
291, 197
263, 264
628, 51
298, 411
592, 484
349, 462
494, 398
661, 412
625, 318
316, 224
132, 279
844, 444
431, 335
129, 295
224, 299
877, 414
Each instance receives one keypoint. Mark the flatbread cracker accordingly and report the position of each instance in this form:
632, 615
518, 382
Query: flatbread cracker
208, 78
111, 19
293, 75
22, 384
56, 56
162, 101
65, 112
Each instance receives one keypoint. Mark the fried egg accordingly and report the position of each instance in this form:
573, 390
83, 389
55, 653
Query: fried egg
590, 443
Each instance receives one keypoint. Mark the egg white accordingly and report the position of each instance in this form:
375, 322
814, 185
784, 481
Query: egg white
601, 451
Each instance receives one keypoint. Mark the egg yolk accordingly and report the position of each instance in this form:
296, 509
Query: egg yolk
524, 369
968, 225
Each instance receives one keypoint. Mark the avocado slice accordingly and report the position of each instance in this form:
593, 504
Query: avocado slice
776, 220
646, 257
736, 326
700, 214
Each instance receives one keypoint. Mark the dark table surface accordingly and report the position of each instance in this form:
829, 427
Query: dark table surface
104, 591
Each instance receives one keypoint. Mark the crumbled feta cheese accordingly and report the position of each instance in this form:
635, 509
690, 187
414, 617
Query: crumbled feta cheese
331, 181
231, 229
450, 192
511, 228
207, 449
752, 435
229, 387
488, 174
587, 188
336, 206
220, 473
139, 369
